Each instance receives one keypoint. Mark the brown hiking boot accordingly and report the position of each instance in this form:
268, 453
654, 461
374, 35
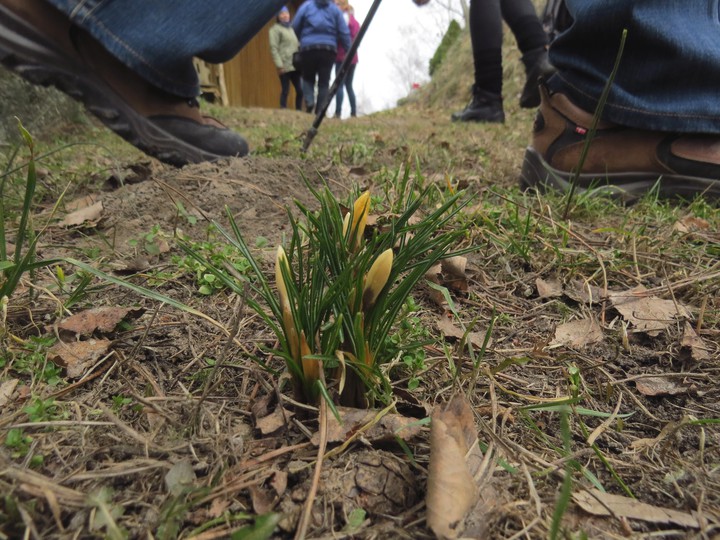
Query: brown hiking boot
43, 46
623, 162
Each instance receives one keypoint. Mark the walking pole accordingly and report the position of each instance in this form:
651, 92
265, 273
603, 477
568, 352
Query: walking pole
310, 135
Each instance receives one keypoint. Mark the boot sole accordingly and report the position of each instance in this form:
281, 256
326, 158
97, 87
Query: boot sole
27, 54
626, 187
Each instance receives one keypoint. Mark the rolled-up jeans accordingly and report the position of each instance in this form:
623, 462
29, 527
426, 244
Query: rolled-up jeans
158, 39
669, 73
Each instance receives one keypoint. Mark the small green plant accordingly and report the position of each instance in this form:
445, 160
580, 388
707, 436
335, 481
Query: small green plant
119, 402
32, 360
211, 254
340, 291
17, 442
13, 266
42, 410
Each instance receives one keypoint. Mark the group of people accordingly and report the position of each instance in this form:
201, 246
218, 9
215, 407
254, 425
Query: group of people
130, 63
305, 50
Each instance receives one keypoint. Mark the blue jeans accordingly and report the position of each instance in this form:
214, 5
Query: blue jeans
348, 84
669, 75
159, 38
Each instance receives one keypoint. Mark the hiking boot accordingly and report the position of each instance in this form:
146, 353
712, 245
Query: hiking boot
537, 66
622, 162
484, 107
43, 46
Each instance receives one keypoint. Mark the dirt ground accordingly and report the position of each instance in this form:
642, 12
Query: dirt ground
176, 430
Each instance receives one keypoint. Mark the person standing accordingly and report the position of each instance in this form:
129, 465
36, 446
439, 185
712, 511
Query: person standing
354, 26
486, 17
320, 26
283, 44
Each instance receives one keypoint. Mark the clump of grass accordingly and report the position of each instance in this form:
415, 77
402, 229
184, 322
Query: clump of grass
341, 286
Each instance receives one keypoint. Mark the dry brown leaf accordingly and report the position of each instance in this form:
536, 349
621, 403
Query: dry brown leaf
659, 386
453, 495
691, 223
578, 333
6, 390
353, 420
274, 421
76, 357
262, 500
583, 292
453, 270
548, 288
692, 347
606, 504
81, 202
102, 319
450, 330
647, 314
89, 215
279, 482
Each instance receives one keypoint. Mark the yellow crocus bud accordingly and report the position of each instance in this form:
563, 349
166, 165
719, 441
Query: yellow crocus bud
311, 366
376, 278
280, 261
361, 208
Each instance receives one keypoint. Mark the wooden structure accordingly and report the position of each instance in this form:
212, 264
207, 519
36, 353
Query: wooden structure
250, 79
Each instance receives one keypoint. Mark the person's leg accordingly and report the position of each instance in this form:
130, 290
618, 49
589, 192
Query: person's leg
339, 95
309, 74
521, 17
158, 113
295, 79
486, 39
326, 60
159, 39
284, 89
661, 122
350, 90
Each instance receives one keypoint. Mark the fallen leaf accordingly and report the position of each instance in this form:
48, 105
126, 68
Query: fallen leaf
450, 330
606, 504
581, 291
453, 269
647, 314
690, 223
453, 494
262, 500
578, 333
102, 319
692, 347
81, 202
548, 289
659, 386
180, 478
76, 357
374, 429
279, 482
90, 215
274, 421
6, 390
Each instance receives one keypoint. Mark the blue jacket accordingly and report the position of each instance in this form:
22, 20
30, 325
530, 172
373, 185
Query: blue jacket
320, 22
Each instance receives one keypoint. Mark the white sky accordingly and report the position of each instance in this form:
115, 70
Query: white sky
395, 51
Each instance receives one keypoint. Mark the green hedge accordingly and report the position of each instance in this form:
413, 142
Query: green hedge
450, 37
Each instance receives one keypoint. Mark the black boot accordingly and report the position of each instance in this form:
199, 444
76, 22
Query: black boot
484, 107
537, 65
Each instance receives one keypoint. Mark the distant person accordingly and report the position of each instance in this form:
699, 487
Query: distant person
283, 44
320, 26
486, 31
354, 26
